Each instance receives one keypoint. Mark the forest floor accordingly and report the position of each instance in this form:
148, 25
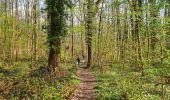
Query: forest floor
20, 81
86, 86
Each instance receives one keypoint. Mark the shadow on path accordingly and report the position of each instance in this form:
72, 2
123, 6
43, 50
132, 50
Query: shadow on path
87, 84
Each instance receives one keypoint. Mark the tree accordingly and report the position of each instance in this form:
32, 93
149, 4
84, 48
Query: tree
167, 14
92, 9
34, 35
57, 25
56, 20
154, 10
17, 29
138, 32
118, 29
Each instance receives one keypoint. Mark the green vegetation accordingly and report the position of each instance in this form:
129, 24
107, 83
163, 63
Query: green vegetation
22, 82
126, 43
122, 83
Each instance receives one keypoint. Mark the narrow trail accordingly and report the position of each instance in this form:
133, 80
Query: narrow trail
86, 89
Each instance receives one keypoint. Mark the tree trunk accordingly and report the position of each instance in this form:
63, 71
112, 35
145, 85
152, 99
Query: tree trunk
72, 33
35, 5
167, 7
56, 31
100, 37
17, 16
139, 17
154, 15
90, 18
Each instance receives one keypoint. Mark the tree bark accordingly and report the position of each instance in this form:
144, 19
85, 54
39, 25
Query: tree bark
90, 18
56, 31
72, 33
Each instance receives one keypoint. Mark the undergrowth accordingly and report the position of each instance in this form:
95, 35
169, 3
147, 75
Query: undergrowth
122, 83
20, 81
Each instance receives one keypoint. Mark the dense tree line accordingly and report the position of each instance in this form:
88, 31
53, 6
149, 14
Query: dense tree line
134, 34
20, 29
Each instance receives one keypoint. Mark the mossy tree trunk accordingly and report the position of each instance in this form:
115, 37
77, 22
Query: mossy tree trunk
56, 31
167, 7
92, 8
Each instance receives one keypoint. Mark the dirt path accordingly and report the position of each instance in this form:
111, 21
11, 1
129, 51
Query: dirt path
86, 87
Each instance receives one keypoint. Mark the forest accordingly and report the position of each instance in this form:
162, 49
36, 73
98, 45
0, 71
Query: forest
84, 49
